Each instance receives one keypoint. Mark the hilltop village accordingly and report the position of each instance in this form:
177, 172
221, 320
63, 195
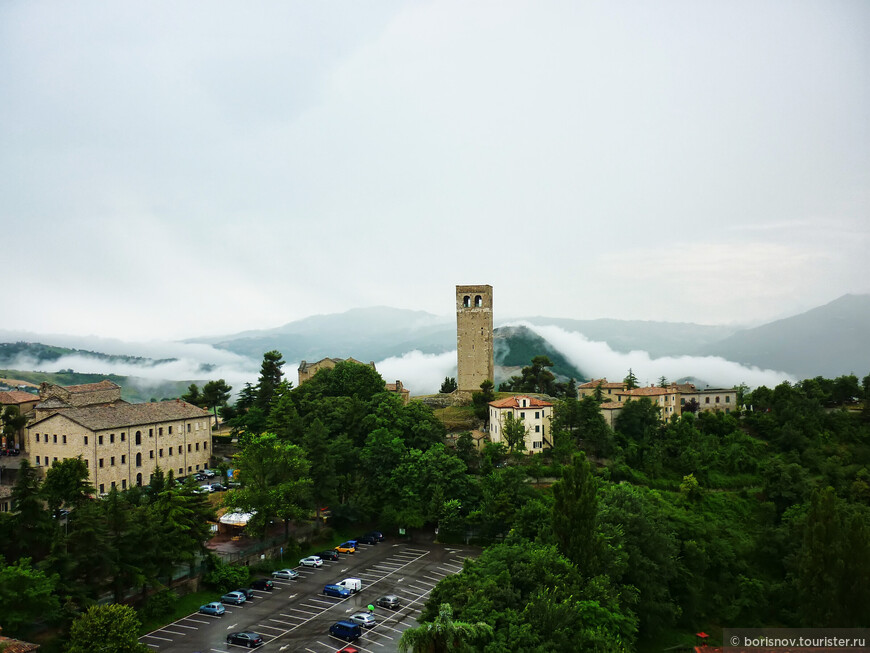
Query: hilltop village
608, 509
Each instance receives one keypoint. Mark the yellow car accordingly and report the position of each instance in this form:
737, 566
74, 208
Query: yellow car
346, 547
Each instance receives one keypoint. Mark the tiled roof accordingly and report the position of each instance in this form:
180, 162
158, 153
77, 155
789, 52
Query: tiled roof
591, 385
16, 397
611, 405
105, 384
513, 402
651, 391
121, 415
304, 365
8, 645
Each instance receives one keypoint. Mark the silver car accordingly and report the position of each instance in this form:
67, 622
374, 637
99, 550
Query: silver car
286, 574
364, 619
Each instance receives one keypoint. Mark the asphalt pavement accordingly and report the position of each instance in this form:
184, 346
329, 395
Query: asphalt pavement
296, 616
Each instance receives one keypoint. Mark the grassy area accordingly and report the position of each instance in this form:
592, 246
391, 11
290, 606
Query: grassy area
457, 418
186, 605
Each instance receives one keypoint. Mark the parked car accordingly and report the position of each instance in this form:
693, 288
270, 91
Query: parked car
208, 473
236, 598
349, 649
286, 574
215, 608
367, 539
262, 584
390, 601
346, 547
337, 591
345, 630
364, 619
245, 638
311, 561
377, 535
329, 555
246, 591
353, 584
199, 476
217, 487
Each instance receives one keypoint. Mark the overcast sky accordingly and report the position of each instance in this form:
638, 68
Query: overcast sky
174, 169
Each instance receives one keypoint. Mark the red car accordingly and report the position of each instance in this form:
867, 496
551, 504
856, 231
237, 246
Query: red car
349, 649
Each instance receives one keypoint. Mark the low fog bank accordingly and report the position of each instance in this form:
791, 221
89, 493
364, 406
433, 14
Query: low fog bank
597, 359
420, 373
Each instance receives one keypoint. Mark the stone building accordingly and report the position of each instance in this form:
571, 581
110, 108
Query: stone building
308, 370
535, 414
122, 444
474, 342
24, 402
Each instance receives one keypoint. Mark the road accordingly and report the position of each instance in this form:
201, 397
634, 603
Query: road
296, 616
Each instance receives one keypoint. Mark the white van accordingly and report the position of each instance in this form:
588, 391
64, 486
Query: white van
352, 584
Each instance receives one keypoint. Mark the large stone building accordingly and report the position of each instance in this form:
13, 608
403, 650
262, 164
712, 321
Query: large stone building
535, 414
308, 370
24, 402
122, 444
474, 342
671, 400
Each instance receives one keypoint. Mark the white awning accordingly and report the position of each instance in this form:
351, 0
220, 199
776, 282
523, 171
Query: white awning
236, 518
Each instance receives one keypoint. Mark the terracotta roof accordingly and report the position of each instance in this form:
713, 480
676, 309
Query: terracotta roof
105, 384
651, 391
16, 397
304, 365
10, 645
591, 385
611, 405
120, 415
513, 402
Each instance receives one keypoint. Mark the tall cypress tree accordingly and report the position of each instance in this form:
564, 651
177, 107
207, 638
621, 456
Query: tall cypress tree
575, 513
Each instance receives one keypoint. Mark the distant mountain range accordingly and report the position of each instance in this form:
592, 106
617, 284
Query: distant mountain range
829, 340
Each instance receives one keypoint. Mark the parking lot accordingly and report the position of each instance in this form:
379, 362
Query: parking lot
296, 616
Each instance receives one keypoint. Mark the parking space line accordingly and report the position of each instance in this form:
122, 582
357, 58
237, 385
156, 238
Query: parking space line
165, 639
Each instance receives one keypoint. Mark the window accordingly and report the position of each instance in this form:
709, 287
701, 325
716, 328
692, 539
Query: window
706, 400
466, 302
64, 439
112, 461
101, 462
523, 414
102, 489
717, 399
537, 414
138, 460
123, 459
537, 428
160, 453
151, 454
37, 437
160, 431
197, 466
86, 439
170, 430
197, 446
188, 448
478, 301
54, 439
54, 460
727, 399
181, 470
123, 480
170, 451
150, 433
87, 464
188, 427
123, 437
189, 468
138, 437
37, 460
111, 438
524, 403
537, 444
99, 439
682, 401
139, 479
205, 445
113, 485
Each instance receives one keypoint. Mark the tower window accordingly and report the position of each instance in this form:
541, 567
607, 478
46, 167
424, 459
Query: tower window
466, 301
478, 301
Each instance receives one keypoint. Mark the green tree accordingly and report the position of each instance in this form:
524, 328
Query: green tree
215, 395
271, 374
663, 381
13, 421
480, 401
274, 482
514, 432
444, 634
34, 526
284, 420
534, 378
110, 628
192, 396
630, 381
448, 385
26, 597
575, 514
66, 485
324, 480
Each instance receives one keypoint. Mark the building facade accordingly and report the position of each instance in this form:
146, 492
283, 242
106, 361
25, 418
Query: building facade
474, 342
122, 444
308, 370
535, 414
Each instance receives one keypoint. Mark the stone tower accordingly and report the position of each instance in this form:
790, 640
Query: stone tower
473, 337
